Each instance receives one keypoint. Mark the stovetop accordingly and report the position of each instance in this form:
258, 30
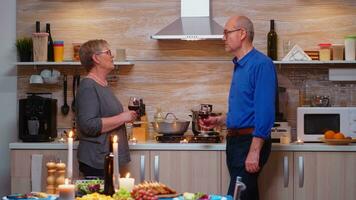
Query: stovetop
189, 139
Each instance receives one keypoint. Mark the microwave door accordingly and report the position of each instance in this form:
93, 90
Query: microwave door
316, 124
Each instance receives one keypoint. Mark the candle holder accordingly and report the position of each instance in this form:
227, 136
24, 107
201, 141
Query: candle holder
66, 191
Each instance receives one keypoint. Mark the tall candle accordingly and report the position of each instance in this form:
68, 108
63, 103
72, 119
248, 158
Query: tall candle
116, 176
127, 182
70, 156
66, 191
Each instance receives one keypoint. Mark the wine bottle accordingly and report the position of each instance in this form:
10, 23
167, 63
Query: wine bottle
272, 42
50, 49
108, 174
38, 26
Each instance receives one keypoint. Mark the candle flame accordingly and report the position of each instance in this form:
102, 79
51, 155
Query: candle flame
128, 175
66, 181
114, 139
70, 135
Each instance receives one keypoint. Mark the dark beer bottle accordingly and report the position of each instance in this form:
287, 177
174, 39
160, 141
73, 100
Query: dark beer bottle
50, 50
272, 42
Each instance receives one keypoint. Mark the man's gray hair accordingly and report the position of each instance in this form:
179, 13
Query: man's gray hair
246, 23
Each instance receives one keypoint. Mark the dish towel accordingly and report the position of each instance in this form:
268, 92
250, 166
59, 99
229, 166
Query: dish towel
36, 172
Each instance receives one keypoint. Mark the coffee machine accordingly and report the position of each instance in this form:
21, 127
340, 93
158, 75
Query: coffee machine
281, 127
37, 118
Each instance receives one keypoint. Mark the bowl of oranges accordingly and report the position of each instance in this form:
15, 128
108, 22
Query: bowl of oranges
335, 138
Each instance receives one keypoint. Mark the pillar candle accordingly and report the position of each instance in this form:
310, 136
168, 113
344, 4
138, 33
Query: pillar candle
116, 175
66, 191
70, 156
127, 182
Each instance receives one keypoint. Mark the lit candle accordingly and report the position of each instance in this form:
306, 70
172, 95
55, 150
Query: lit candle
127, 182
115, 147
66, 191
70, 155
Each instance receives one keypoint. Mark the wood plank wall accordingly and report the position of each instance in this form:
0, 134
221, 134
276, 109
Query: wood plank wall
177, 74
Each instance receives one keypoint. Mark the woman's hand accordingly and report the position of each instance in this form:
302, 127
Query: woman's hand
129, 116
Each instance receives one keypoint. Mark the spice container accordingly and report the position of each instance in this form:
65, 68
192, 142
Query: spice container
350, 46
324, 51
338, 51
58, 47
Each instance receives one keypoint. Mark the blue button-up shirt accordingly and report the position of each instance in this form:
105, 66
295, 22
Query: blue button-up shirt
252, 94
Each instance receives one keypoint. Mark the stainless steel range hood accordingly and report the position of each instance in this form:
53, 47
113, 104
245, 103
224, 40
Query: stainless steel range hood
195, 23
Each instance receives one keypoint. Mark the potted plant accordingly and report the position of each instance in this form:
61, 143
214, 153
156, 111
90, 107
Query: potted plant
24, 49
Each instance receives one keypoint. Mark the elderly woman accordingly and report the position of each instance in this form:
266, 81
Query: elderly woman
99, 113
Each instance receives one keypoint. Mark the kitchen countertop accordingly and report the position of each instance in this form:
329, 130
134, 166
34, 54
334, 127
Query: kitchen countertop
153, 145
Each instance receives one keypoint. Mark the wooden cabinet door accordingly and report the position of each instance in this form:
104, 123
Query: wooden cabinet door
276, 179
324, 175
21, 167
187, 171
139, 167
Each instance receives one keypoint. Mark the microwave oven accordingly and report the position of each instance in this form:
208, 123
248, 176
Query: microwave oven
312, 122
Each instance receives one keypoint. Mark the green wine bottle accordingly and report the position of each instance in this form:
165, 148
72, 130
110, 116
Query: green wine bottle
272, 42
50, 50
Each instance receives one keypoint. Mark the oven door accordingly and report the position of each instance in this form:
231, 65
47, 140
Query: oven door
315, 125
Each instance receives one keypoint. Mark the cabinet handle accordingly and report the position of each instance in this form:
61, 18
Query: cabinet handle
156, 168
142, 168
285, 171
301, 171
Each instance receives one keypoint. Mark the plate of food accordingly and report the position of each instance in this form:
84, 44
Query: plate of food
30, 196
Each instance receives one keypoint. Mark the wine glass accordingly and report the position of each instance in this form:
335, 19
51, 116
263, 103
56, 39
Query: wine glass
134, 105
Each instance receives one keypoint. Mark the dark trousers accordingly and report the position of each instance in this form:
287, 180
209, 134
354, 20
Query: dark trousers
237, 148
89, 171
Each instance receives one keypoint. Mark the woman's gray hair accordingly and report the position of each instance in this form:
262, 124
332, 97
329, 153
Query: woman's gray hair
88, 49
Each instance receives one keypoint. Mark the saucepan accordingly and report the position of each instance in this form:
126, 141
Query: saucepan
173, 126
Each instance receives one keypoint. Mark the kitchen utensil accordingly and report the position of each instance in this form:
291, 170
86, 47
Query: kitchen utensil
76, 81
171, 127
65, 107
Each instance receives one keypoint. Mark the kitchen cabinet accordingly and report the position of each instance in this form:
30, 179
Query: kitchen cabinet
21, 167
324, 175
139, 167
275, 180
187, 171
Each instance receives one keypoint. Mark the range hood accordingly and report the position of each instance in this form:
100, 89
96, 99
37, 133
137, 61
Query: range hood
195, 23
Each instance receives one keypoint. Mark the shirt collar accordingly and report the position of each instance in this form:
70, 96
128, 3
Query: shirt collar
244, 59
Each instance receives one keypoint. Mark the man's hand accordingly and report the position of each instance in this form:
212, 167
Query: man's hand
212, 122
253, 156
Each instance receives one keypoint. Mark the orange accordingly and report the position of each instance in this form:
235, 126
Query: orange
329, 134
339, 136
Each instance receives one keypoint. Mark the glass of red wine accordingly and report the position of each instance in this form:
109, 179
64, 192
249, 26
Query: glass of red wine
134, 105
204, 113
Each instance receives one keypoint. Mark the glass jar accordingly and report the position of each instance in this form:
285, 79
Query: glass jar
324, 51
350, 47
338, 51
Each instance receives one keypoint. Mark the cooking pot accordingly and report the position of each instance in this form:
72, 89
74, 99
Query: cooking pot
171, 127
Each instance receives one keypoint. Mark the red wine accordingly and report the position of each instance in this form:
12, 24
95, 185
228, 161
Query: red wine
134, 108
272, 42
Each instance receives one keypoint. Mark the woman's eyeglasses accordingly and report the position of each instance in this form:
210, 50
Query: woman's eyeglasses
107, 52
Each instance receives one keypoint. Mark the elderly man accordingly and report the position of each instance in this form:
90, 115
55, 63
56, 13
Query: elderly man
251, 108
